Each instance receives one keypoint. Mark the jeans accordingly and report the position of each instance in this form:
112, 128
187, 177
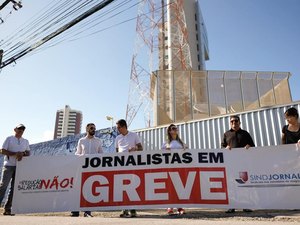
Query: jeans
8, 176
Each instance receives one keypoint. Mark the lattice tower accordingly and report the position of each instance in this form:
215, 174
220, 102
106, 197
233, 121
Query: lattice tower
160, 31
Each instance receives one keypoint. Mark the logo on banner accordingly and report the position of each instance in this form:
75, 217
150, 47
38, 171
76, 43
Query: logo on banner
268, 180
243, 177
46, 185
198, 185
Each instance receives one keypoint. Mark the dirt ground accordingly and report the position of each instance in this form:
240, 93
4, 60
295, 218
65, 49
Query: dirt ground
203, 214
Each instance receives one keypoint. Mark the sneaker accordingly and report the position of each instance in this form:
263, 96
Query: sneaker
74, 214
87, 214
170, 211
124, 213
247, 210
7, 213
133, 213
180, 211
230, 211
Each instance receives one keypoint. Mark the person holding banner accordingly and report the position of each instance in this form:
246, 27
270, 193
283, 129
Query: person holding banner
14, 148
291, 131
127, 141
237, 138
86, 146
173, 142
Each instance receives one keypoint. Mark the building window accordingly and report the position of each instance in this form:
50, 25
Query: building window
195, 17
196, 27
197, 37
198, 47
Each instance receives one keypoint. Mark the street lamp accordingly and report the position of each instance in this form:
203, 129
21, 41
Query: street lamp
112, 120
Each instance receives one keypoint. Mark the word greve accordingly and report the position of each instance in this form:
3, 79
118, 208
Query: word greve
197, 185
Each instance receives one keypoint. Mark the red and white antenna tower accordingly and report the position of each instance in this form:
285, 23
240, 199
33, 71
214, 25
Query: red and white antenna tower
161, 44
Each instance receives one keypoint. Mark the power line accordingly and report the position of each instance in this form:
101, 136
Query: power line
5, 3
72, 37
35, 29
57, 32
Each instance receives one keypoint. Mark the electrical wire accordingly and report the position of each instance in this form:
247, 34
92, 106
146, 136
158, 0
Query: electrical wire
56, 14
41, 27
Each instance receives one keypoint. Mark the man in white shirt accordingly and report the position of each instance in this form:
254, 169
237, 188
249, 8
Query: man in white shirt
14, 148
89, 144
86, 146
127, 141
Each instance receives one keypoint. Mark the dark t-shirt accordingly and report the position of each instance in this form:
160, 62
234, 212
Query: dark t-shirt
290, 136
237, 139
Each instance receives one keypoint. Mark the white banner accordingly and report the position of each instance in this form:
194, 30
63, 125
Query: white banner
258, 178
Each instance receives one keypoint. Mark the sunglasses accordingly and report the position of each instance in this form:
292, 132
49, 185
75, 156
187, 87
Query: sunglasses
173, 128
92, 128
21, 128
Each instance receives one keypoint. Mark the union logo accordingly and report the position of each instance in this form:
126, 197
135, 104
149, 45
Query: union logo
243, 177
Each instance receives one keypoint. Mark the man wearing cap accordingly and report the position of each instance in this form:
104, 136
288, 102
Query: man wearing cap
14, 148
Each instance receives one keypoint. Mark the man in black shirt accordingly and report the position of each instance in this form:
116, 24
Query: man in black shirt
237, 138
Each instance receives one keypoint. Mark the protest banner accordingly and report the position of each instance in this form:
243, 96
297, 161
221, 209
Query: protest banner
258, 178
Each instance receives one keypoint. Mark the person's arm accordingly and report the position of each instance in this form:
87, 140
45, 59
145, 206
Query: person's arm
164, 146
99, 150
8, 153
250, 142
26, 153
283, 138
117, 143
283, 135
224, 143
18, 155
185, 146
139, 147
247, 146
78, 148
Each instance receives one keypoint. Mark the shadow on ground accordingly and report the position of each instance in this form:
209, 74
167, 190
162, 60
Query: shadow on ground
210, 214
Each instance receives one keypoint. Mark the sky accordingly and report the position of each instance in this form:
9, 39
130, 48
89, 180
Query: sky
92, 74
